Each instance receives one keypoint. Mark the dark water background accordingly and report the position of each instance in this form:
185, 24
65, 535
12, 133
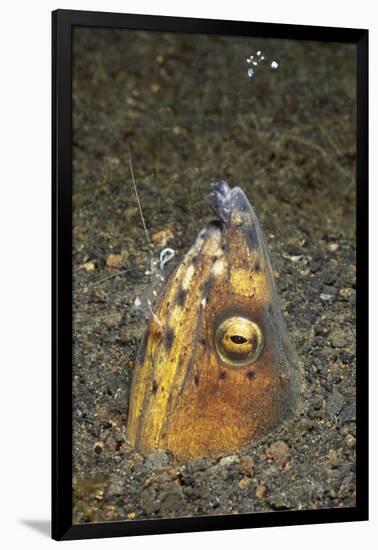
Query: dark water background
191, 115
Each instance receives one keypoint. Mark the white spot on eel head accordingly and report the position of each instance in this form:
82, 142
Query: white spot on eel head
188, 277
218, 268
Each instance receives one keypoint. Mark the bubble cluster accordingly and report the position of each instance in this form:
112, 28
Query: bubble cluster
254, 60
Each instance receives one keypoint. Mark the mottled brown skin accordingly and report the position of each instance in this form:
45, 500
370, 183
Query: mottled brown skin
185, 398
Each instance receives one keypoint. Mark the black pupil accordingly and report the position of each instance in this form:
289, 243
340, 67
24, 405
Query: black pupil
238, 339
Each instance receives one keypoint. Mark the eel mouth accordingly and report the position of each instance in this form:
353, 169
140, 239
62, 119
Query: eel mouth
227, 202
220, 199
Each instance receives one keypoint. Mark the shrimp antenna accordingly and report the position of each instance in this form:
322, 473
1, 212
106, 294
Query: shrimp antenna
137, 196
100, 281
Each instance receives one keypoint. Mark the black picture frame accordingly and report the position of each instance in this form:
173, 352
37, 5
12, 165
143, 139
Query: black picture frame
63, 22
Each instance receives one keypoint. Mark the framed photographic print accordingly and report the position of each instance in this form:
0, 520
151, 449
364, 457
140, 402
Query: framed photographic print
209, 276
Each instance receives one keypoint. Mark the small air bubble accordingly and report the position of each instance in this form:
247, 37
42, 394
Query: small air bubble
259, 52
274, 65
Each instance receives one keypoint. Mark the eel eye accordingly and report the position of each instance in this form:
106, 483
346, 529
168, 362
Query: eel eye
238, 341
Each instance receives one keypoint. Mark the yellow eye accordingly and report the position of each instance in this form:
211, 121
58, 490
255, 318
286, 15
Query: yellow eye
238, 341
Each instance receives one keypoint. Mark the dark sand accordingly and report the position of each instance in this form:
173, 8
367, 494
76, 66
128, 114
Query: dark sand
287, 137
